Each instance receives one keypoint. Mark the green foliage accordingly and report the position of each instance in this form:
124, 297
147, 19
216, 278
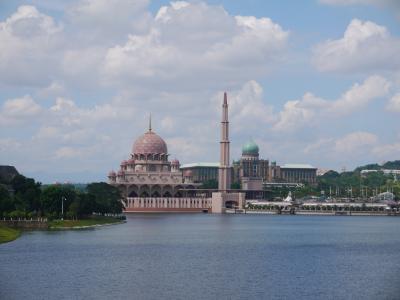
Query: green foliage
236, 186
27, 193
107, 197
51, 198
6, 203
8, 234
32, 200
394, 165
209, 184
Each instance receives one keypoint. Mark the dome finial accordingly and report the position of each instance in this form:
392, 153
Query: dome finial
150, 122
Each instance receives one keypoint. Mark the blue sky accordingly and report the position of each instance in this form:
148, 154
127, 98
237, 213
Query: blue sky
313, 81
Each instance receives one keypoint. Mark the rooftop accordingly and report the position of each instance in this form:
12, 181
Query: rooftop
297, 166
201, 165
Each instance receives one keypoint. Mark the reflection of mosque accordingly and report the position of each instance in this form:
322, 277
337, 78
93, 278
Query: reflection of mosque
149, 173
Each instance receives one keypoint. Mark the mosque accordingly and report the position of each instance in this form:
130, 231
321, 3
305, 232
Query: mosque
149, 182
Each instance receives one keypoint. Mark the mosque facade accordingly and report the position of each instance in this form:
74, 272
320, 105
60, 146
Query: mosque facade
148, 181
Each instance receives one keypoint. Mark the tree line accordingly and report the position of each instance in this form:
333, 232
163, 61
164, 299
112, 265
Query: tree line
23, 197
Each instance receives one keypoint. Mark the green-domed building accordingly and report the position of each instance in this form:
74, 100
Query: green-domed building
250, 166
250, 149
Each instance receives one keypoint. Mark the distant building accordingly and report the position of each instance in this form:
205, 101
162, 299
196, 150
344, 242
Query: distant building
384, 171
250, 167
201, 172
301, 173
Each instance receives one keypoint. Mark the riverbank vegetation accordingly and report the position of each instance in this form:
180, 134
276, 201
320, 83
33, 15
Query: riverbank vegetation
8, 234
22, 197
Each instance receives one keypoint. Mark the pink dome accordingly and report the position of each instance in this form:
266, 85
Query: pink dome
124, 162
112, 174
175, 162
149, 143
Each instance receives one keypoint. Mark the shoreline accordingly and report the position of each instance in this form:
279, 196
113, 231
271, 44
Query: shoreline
311, 213
8, 234
85, 226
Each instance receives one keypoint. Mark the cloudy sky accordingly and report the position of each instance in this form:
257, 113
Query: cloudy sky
314, 81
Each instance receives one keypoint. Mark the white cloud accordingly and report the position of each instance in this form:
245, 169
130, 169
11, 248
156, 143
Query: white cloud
100, 21
355, 142
247, 105
354, 148
394, 103
28, 41
310, 109
365, 46
19, 110
387, 151
196, 44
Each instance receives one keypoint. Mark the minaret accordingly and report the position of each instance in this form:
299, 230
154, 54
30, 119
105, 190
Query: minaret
224, 174
150, 123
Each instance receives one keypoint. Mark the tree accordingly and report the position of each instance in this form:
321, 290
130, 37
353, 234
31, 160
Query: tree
26, 193
6, 203
210, 184
107, 197
51, 198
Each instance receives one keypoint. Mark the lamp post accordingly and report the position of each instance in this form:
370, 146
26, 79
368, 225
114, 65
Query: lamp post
62, 207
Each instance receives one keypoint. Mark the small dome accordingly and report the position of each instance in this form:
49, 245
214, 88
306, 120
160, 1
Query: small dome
149, 143
250, 148
111, 174
175, 162
124, 162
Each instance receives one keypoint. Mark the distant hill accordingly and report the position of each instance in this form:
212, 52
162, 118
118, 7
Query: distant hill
7, 173
392, 165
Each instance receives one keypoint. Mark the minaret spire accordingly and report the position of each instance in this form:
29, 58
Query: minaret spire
150, 122
224, 177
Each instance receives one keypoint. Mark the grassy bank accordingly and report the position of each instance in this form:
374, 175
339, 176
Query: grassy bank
8, 234
91, 221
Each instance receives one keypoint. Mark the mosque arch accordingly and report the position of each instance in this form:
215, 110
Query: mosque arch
133, 190
167, 194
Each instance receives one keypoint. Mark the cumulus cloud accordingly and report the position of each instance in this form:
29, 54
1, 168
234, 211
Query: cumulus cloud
247, 105
365, 46
359, 147
354, 142
28, 40
196, 44
394, 103
19, 110
97, 18
311, 109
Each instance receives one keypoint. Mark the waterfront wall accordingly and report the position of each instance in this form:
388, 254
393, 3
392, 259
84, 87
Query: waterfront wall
169, 204
26, 223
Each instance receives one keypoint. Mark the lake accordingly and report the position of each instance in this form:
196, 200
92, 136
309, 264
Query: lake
205, 256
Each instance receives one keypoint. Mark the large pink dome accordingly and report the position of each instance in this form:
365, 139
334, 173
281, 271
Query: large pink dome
149, 143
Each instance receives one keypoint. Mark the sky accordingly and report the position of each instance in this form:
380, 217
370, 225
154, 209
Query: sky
313, 81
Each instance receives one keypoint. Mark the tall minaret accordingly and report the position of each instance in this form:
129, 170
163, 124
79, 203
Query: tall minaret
224, 175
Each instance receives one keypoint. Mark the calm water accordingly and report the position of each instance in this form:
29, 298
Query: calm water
209, 257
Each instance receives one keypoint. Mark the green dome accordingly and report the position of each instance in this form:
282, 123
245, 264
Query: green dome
250, 148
